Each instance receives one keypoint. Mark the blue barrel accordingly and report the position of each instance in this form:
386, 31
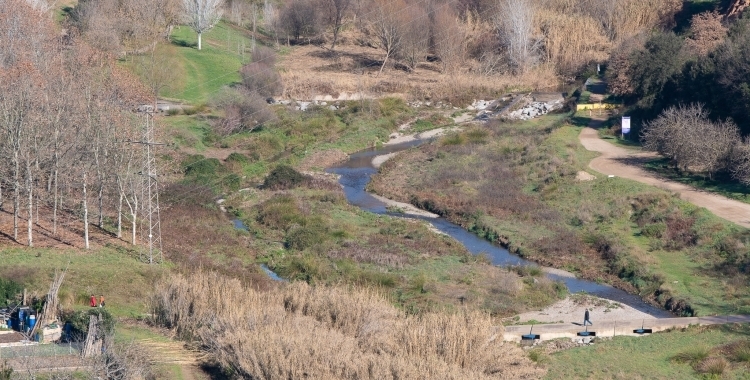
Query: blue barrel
32, 321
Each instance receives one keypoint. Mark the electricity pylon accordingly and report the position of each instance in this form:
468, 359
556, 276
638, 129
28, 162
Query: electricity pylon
150, 191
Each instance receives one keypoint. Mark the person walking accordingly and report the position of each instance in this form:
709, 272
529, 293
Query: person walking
586, 318
92, 301
101, 300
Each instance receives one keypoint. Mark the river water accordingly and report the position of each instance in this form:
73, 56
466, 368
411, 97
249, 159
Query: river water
356, 173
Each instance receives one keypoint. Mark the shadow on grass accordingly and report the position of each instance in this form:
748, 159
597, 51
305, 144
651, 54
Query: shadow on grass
620, 141
721, 183
184, 43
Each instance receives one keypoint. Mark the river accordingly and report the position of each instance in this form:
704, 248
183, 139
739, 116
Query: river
356, 173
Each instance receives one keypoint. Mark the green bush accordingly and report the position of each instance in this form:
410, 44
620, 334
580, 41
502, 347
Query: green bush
9, 291
200, 166
314, 231
79, 322
238, 158
284, 177
280, 212
654, 230
231, 182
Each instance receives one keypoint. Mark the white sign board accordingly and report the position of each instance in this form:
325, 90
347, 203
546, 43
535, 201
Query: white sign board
625, 124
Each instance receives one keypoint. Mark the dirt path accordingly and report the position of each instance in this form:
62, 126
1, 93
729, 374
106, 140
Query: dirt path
621, 162
175, 353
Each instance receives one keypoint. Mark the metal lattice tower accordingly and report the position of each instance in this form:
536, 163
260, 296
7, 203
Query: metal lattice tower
150, 193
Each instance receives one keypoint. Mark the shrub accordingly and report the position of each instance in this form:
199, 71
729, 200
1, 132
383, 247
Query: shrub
9, 291
692, 355
231, 182
280, 212
202, 170
284, 177
238, 157
261, 79
314, 232
654, 230
477, 135
712, 366
243, 111
79, 322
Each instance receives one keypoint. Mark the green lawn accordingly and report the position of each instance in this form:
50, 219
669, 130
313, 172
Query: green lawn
648, 357
117, 274
202, 73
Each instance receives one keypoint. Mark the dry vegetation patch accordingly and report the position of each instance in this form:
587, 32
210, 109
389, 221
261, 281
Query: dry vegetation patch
332, 332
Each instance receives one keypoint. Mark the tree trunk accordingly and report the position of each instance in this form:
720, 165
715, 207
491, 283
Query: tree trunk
29, 190
199, 40
101, 203
119, 217
132, 226
54, 208
16, 195
1, 193
85, 215
384, 62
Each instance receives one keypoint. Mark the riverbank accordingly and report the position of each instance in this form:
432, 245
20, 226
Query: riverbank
515, 183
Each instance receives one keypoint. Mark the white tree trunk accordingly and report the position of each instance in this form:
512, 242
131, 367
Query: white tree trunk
16, 195
54, 208
199, 40
132, 226
119, 217
29, 189
101, 204
85, 215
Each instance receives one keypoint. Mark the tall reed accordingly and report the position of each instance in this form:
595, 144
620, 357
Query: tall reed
334, 332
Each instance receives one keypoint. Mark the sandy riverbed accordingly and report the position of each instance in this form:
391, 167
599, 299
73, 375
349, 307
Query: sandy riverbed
571, 309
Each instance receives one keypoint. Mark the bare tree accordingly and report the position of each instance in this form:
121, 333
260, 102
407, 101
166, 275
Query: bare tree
335, 11
449, 39
202, 15
388, 27
692, 141
515, 26
416, 34
299, 18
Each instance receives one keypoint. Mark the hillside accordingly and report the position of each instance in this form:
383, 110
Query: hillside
263, 252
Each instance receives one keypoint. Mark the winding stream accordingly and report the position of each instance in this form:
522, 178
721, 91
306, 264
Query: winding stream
356, 173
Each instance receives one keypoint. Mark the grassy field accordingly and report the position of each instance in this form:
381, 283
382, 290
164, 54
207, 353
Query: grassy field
116, 273
196, 75
653, 357
609, 229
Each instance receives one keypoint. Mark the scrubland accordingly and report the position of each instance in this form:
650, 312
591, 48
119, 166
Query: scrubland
515, 183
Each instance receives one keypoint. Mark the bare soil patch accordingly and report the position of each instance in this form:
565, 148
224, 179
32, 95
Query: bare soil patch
572, 308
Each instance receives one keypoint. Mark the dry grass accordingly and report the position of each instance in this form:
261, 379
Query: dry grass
332, 333
310, 71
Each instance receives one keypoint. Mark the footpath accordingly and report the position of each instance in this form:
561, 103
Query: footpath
625, 163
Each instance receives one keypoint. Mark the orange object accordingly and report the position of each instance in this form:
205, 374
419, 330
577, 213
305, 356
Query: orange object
101, 300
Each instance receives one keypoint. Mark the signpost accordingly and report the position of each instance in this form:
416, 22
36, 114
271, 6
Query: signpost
625, 126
